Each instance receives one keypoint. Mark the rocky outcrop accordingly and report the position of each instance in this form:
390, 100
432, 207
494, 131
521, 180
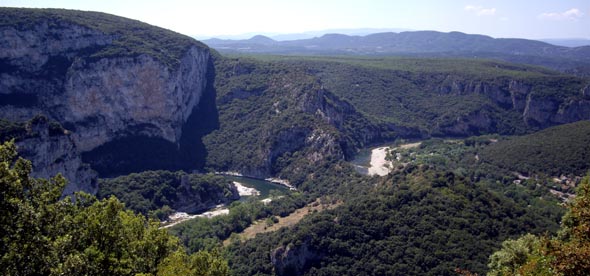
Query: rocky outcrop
70, 72
106, 99
99, 100
536, 108
518, 94
52, 150
313, 144
344, 117
325, 105
34, 62
292, 259
473, 123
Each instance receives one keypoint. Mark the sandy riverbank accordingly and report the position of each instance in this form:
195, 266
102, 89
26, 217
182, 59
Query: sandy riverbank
179, 217
378, 165
246, 191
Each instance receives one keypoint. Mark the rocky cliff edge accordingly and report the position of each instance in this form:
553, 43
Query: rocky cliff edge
102, 77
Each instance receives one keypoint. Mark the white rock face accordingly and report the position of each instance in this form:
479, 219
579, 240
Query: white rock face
51, 154
30, 49
103, 99
97, 99
110, 96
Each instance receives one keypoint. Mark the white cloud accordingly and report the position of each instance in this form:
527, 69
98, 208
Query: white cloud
491, 11
480, 11
571, 14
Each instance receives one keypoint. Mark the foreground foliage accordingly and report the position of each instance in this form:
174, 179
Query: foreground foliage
43, 234
568, 253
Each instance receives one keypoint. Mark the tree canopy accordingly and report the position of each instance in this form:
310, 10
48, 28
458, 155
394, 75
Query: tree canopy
44, 234
568, 253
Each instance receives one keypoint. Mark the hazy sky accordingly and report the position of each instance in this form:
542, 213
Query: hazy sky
497, 18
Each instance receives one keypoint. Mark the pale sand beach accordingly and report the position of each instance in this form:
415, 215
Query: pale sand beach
246, 191
379, 166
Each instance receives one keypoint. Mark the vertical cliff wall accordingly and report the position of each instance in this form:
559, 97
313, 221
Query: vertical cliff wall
102, 77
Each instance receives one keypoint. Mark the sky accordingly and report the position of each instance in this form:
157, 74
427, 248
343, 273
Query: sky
533, 19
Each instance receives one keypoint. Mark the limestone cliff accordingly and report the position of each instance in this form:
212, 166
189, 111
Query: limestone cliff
536, 107
102, 77
51, 150
293, 259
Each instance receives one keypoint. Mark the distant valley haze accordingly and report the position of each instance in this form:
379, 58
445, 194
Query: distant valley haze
279, 37
288, 20
305, 35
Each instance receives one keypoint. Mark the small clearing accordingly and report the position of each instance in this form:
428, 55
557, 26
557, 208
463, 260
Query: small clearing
410, 145
261, 226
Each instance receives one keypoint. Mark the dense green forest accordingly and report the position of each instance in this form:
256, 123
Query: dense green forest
331, 180
429, 94
266, 102
438, 186
415, 222
269, 105
555, 151
255, 115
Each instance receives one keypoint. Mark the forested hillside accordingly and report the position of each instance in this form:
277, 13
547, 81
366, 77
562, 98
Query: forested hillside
416, 222
555, 151
270, 107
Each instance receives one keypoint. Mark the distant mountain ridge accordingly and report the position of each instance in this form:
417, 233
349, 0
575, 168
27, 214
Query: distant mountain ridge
303, 35
423, 43
411, 42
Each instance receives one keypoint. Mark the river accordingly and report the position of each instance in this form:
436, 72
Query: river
262, 186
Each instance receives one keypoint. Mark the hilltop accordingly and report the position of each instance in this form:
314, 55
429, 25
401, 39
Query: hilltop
422, 43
